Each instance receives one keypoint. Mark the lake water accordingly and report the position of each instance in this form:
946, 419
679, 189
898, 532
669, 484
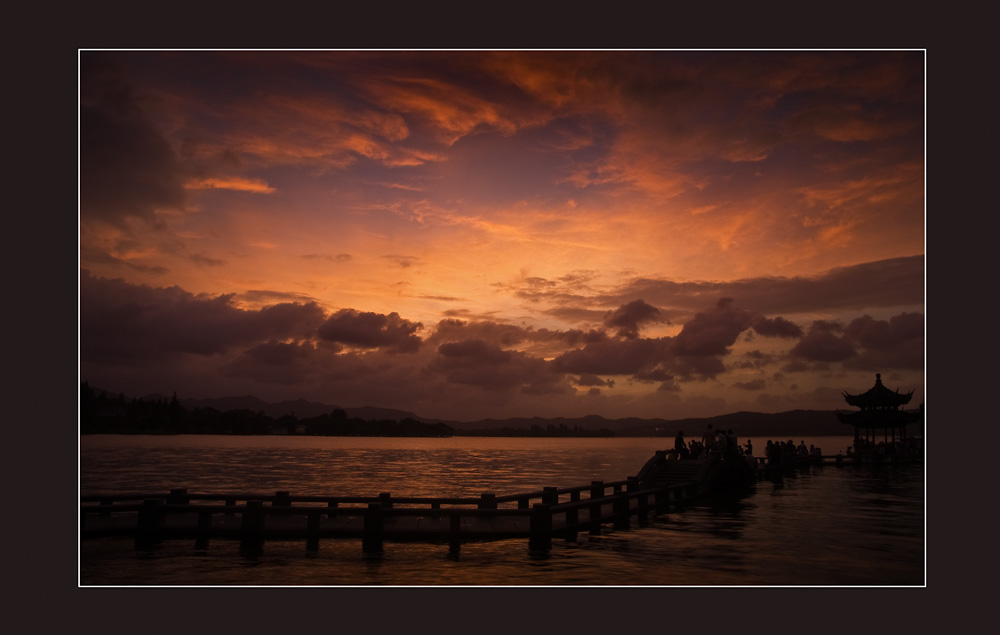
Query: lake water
824, 526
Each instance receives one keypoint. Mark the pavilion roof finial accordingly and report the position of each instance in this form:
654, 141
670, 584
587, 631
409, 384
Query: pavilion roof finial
878, 396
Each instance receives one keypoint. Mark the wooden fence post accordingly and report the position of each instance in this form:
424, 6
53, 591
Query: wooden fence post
312, 529
148, 522
487, 500
632, 484
540, 527
385, 499
572, 517
178, 496
455, 529
550, 495
252, 528
596, 492
281, 499
622, 511
204, 529
371, 541
662, 501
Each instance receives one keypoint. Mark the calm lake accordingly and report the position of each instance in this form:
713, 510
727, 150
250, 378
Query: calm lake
823, 526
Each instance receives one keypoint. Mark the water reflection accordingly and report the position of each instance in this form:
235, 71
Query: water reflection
824, 526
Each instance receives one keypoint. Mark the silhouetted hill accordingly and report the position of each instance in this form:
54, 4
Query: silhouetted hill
300, 408
745, 424
780, 425
749, 424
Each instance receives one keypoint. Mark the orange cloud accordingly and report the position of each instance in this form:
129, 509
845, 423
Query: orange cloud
236, 183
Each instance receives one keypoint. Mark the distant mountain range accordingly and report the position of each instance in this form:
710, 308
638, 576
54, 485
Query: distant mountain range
299, 408
779, 425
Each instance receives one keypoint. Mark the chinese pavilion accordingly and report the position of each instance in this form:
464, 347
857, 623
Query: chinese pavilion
881, 409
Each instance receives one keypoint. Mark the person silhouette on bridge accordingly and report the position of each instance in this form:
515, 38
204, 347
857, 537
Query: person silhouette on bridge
680, 446
708, 439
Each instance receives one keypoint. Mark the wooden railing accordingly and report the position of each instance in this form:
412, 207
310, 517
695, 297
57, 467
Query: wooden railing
549, 512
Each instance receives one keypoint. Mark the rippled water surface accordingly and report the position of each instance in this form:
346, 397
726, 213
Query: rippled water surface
853, 525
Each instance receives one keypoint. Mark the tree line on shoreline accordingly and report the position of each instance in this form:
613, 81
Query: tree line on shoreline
103, 413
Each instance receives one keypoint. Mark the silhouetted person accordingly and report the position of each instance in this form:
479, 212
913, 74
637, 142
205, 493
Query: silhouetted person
708, 439
773, 453
721, 442
695, 448
680, 445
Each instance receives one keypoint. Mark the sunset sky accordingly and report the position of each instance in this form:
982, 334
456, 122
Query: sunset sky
487, 234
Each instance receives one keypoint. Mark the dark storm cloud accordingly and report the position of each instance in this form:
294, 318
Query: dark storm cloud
479, 363
896, 343
690, 368
284, 354
778, 327
613, 357
884, 283
695, 352
712, 332
371, 330
823, 344
626, 319
127, 169
588, 379
886, 335
479, 350
120, 322
754, 359
508, 335
498, 333
275, 363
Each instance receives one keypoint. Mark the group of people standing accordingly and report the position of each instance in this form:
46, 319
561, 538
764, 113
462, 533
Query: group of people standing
776, 452
712, 441
779, 452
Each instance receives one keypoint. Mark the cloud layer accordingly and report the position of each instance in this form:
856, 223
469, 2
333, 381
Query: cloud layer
137, 336
476, 233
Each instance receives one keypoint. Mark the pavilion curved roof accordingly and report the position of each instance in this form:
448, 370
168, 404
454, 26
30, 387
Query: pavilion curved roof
878, 397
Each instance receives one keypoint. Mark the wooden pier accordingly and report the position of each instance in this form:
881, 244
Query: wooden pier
662, 485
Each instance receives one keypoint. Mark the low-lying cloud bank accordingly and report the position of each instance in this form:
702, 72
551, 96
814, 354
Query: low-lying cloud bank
144, 339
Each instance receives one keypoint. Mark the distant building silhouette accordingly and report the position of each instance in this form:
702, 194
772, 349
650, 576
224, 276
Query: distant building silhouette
880, 410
